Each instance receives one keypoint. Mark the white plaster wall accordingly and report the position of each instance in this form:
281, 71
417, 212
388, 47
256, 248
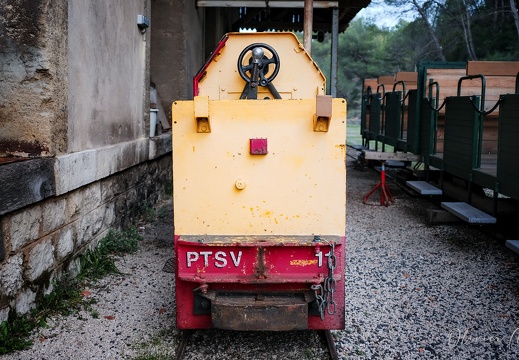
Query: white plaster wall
107, 72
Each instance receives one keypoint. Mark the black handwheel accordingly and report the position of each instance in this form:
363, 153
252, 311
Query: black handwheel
262, 60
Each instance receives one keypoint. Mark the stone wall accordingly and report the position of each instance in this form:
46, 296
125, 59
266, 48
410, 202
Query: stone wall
41, 240
74, 103
33, 90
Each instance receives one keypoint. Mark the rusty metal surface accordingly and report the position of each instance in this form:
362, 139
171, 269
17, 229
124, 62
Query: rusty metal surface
184, 339
263, 240
256, 313
330, 344
260, 264
255, 268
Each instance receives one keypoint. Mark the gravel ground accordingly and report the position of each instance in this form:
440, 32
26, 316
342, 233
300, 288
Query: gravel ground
413, 291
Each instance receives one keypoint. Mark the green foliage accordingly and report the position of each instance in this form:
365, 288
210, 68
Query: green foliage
66, 297
162, 213
99, 262
150, 214
125, 242
159, 347
168, 187
13, 336
362, 53
96, 265
367, 51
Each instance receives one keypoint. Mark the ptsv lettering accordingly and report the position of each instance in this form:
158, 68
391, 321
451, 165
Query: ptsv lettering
219, 259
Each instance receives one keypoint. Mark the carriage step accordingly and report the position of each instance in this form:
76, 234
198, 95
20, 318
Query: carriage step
423, 188
513, 245
468, 213
395, 164
359, 147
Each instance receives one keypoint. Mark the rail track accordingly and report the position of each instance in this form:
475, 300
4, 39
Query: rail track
325, 335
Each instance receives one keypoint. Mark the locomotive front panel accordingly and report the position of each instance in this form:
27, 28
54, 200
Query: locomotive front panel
259, 190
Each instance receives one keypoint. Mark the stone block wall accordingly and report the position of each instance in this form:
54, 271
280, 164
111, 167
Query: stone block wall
43, 239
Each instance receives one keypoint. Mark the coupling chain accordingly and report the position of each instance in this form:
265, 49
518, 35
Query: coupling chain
324, 294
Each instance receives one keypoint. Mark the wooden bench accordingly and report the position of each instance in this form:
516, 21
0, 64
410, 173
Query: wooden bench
408, 137
424, 188
500, 79
369, 87
373, 104
391, 122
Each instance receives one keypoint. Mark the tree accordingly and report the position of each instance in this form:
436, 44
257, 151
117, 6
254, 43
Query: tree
515, 15
427, 11
460, 12
366, 50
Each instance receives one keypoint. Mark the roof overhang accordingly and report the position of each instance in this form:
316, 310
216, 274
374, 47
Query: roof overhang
288, 15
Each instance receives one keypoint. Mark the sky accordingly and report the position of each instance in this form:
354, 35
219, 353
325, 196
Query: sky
383, 15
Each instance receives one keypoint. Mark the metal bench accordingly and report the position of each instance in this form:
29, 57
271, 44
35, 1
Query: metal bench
468, 213
424, 188
513, 245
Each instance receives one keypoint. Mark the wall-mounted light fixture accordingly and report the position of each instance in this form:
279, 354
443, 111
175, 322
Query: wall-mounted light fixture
143, 23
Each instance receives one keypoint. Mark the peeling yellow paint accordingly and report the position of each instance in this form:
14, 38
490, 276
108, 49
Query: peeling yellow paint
303, 262
300, 179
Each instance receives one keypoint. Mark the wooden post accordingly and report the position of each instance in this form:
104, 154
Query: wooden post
334, 56
308, 25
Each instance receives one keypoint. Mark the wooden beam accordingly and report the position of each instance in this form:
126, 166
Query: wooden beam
262, 4
386, 80
308, 25
383, 156
407, 77
34, 182
493, 68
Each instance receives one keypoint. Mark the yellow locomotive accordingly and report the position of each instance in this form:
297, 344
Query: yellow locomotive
259, 186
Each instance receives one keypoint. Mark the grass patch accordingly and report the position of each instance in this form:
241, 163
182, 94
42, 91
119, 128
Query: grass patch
353, 136
66, 297
168, 188
159, 347
152, 214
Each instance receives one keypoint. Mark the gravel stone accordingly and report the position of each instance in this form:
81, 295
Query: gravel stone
413, 291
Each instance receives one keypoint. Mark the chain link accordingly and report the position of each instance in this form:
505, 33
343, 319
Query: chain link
324, 294
330, 283
319, 298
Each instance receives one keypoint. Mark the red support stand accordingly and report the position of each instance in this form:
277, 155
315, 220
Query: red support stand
385, 193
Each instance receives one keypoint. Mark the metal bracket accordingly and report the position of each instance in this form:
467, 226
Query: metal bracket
201, 104
201, 304
323, 113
